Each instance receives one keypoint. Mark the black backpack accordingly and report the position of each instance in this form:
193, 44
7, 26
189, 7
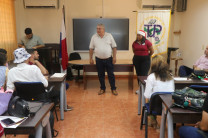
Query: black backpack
69, 75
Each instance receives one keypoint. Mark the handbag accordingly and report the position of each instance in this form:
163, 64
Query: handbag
18, 107
4, 101
198, 74
189, 98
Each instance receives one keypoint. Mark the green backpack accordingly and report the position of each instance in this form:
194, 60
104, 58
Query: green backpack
189, 99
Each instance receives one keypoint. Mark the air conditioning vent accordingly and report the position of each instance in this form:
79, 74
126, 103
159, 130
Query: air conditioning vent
41, 3
160, 4
181, 5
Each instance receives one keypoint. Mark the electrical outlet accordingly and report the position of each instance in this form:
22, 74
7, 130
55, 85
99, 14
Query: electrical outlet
202, 47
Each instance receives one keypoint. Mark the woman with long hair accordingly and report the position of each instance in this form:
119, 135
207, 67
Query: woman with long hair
160, 79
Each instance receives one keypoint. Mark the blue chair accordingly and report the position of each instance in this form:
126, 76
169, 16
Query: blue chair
67, 86
199, 88
154, 107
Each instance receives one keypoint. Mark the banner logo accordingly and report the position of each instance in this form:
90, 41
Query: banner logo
156, 24
154, 29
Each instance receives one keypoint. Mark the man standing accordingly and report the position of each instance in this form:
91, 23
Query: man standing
30, 41
103, 44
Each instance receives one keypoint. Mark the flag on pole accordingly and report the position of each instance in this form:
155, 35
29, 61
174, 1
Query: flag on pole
156, 24
63, 46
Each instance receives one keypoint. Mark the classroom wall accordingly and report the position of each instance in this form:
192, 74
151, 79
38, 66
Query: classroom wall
193, 38
47, 22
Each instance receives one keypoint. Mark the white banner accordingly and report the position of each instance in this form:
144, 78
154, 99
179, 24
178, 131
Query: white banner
156, 24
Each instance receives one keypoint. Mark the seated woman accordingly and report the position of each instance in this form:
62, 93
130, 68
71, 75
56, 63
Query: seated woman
3, 71
159, 80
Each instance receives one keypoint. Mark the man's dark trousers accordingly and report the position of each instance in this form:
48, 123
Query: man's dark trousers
102, 65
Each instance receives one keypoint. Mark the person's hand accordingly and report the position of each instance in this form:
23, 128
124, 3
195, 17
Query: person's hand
197, 124
36, 62
197, 68
114, 60
46, 77
91, 61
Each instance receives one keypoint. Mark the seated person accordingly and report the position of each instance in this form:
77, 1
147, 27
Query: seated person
27, 73
201, 128
30, 41
3, 71
5, 52
1, 131
201, 64
159, 80
34, 61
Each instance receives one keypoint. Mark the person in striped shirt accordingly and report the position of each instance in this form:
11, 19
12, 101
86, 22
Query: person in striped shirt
3, 71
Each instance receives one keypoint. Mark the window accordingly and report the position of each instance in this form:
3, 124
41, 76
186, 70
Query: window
8, 38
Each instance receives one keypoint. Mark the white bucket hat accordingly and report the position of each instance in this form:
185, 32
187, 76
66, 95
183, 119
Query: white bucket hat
20, 55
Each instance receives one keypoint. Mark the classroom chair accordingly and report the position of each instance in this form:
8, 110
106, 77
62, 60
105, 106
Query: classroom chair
154, 107
33, 91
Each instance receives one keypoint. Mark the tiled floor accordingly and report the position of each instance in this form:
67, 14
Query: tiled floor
102, 116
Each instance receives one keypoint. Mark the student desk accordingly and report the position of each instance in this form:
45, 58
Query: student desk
63, 102
33, 125
178, 85
123, 65
175, 115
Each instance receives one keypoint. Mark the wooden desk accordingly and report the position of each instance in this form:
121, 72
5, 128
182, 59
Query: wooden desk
120, 66
175, 115
33, 124
182, 84
63, 101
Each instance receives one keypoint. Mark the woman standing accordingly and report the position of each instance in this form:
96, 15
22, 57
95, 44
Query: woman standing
143, 50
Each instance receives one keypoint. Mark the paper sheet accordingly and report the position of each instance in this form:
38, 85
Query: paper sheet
181, 79
58, 75
15, 119
205, 80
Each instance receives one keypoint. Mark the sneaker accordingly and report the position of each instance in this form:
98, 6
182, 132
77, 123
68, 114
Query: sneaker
101, 92
69, 108
114, 92
137, 91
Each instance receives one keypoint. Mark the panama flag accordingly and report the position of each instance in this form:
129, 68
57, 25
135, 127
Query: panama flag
63, 45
